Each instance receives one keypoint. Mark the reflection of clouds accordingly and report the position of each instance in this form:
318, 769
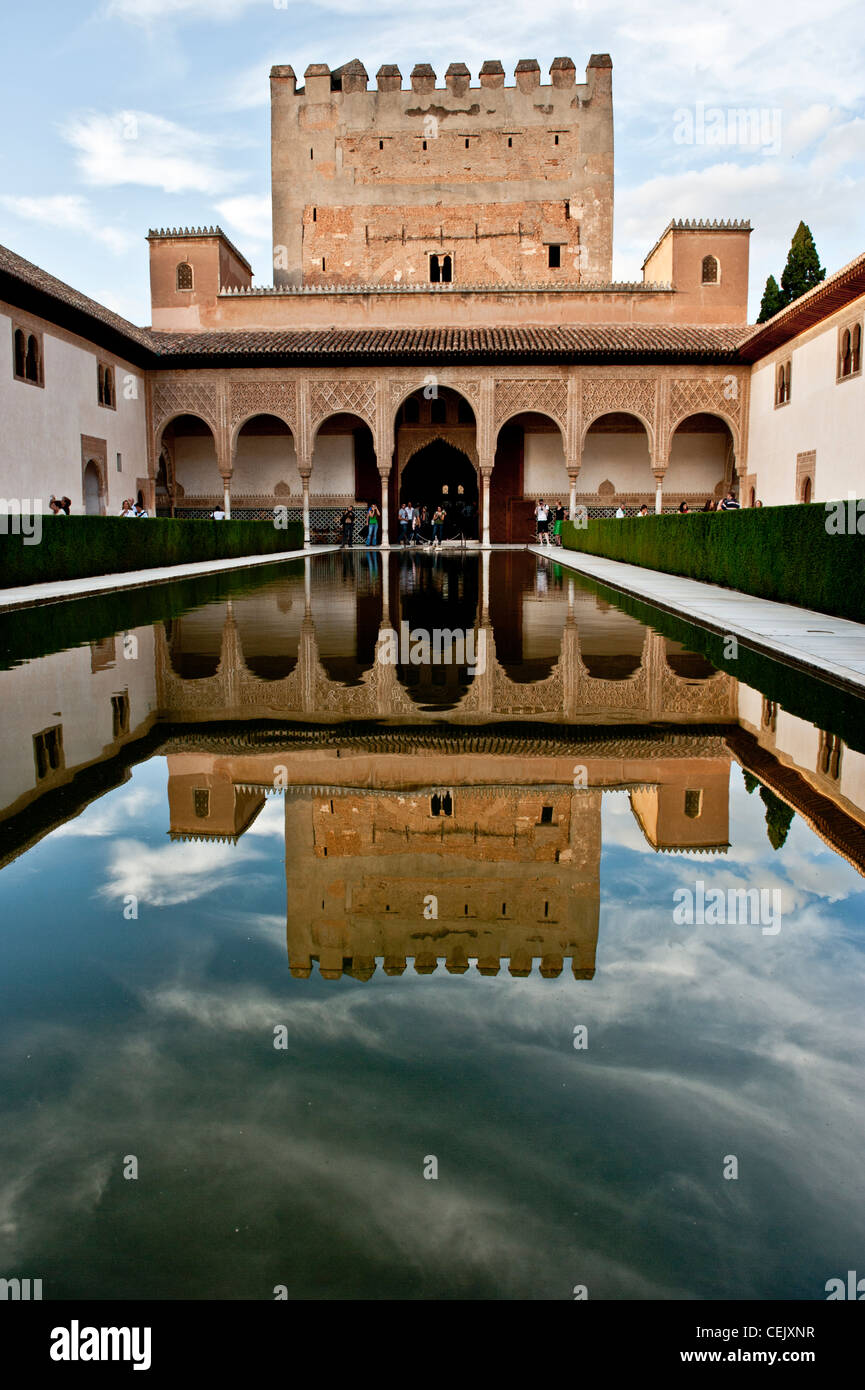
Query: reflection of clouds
175, 873
113, 814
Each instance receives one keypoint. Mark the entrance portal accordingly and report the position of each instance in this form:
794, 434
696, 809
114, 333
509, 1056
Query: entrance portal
440, 475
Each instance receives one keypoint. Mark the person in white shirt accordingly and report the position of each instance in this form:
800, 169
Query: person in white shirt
542, 513
620, 512
218, 514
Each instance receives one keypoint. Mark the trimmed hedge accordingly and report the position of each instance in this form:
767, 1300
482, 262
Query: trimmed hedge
42, 628
77, 547
781, 553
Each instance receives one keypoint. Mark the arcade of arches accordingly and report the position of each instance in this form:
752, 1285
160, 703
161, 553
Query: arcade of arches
484, 446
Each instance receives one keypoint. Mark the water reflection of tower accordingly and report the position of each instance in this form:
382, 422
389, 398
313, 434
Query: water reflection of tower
444, 873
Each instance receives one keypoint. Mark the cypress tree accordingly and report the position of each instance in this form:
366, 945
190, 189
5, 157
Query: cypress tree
771, 301
778, 817
803, 269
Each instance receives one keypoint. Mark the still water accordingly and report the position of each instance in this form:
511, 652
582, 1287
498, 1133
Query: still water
335, 969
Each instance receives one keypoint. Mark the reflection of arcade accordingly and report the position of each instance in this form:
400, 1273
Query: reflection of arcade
559, 656
495, 856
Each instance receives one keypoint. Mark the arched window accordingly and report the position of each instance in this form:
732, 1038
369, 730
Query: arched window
806, 490
846, 353
32, 362
20, 352
109, 386
711, 270
783, 382
184, 276
440, 269
856, 349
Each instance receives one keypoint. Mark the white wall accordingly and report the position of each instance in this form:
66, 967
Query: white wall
544, 465
262, 461
822, 414
621, 458
332, 466
40, 441
63, 689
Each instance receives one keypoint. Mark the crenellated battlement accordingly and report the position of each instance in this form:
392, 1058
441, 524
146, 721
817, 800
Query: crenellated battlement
321, 81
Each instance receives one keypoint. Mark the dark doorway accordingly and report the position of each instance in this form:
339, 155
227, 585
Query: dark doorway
440, 475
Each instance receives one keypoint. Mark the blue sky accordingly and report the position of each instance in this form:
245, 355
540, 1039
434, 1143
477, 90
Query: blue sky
126, 114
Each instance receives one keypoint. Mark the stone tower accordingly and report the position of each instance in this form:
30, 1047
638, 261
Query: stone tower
487, 184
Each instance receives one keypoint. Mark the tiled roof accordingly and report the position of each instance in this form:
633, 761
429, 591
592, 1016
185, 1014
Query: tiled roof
26, 285
613, 341
82, 314
825, 299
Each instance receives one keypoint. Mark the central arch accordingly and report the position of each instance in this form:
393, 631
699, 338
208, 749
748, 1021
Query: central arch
440, 474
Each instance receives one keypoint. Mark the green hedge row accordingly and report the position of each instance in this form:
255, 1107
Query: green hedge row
77, 547
797, 554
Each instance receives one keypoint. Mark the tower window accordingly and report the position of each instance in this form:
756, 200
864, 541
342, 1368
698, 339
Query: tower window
546, 815
711, 270
510, 142
424, 144
440, 269
555, 139
314, 212
693, 804
183, 277
201, 804
554, 256
381, 144
323, 266
467, 144
105, 386
310, 154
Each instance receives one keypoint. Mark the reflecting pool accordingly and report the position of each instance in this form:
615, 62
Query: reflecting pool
412, 926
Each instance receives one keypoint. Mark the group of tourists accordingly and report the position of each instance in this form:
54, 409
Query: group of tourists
549, 516
132, 508
417, 527
60, 506
727, 504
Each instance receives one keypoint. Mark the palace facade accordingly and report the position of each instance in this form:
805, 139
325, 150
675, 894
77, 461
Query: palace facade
442, 328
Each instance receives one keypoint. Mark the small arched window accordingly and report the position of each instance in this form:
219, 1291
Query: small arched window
806, 490
856, 349
184, 276
109, 387
783, 382
32, 363
20, 353
711, 270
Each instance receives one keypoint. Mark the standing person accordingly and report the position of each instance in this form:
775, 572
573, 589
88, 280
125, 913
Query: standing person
620, 512
557, 524
346, 521
404, 523
542, 514
372, 519
644, 510
729, 504
218, 513
416, 532
438, 521
683, 508
710, 506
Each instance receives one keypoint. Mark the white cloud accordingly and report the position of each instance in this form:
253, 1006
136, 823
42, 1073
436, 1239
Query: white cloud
173, 873
249, 214
140, 148
150, 11
70, 212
